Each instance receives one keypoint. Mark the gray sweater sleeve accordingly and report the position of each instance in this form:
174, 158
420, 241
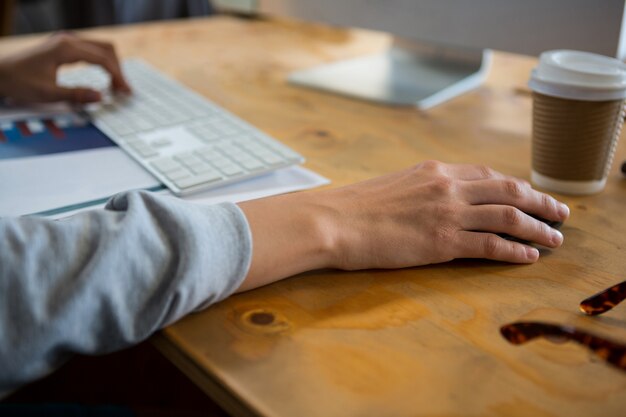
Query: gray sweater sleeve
104, 280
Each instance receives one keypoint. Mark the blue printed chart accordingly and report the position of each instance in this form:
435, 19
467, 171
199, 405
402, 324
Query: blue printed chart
43, 136
58, 162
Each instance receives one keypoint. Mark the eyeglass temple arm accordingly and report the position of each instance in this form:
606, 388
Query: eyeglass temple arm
521, 332
604, 300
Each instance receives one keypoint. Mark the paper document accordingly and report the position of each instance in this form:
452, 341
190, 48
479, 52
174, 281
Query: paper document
54, 162
37, 184
283, 181
51, 159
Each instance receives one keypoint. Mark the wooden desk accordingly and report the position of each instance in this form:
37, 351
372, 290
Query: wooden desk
421, 341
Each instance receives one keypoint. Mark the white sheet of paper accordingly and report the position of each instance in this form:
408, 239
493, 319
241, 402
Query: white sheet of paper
279, 182
40, 183
285, 180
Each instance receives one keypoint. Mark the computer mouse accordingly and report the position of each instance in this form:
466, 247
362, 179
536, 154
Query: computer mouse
552, 223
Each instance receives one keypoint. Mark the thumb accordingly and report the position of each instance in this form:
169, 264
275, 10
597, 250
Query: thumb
78, 95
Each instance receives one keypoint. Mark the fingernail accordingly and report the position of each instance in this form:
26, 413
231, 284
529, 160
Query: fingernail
532, 253
557, 237
563, 210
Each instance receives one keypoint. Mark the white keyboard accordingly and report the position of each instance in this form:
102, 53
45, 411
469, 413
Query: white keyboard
187, 142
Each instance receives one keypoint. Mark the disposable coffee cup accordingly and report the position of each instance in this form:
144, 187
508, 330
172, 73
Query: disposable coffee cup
578, 111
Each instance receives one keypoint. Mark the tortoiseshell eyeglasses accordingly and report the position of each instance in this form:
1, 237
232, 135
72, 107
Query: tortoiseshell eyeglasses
613, 352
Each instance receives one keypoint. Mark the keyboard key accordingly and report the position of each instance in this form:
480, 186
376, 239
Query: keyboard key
146, 152
228, 149
121, 129
200, 168
178, 174
198, 179
137, 143
255, 148
142, 123
142, 148
183, 155
189, 159
222, 161
208, 135
165, 165
286, 153
161, 142
209, 154
230, 170
251, 164
270, 159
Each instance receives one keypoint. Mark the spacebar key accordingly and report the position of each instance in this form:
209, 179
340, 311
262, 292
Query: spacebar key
198, 179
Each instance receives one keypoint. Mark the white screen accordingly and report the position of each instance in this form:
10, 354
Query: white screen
523, 26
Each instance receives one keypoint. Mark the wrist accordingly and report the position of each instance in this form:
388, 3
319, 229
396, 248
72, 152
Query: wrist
291, 234
320, 224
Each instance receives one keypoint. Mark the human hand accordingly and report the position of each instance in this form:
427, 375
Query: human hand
437, 212
30, 76
431, 213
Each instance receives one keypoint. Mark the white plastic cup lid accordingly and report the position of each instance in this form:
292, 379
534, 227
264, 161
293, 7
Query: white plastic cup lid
579, 76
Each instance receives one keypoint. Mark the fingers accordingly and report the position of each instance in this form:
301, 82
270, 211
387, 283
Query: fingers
490, 246
482, 185
86, 52
77, 95
465, 172
469, 172
120, 83
517, 193
69, 48
512, 221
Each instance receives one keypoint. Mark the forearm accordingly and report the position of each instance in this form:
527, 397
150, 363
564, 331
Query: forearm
104, 280
291, 234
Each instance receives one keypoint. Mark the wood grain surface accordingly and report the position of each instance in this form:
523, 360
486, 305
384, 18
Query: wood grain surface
415, 342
